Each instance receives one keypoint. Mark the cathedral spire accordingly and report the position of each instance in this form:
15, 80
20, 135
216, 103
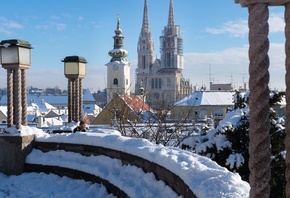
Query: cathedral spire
171, 15
145, 24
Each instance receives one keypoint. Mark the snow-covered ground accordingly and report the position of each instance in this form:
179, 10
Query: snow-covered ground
204, 177
34, 185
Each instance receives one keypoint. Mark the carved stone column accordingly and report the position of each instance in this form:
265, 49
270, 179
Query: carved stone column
9, 97
77, 97
69, 88
259, 146
23, 97
74, 95
17, 105
74, 70
287, 140
80, 98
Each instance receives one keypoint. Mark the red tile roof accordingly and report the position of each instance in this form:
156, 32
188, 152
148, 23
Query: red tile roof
136, 103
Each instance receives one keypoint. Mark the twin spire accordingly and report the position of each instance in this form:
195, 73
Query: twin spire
145, 24
171, 15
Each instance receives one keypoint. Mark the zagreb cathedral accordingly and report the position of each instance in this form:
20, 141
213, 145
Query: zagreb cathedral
161, 80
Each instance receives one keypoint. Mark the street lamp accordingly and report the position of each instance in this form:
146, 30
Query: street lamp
15, 54
75, 71
74, 67
16, 58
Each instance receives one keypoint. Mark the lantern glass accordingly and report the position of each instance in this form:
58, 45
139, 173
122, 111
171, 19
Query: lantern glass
71, 68
82, 69
9, 55
24, 56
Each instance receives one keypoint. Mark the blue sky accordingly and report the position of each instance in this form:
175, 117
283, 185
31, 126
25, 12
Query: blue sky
214, 37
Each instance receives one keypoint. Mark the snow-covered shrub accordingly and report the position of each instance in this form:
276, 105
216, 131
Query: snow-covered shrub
228, 143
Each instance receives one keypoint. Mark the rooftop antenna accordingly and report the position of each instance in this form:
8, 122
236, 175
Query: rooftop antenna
244, 83
210, 74
232, 78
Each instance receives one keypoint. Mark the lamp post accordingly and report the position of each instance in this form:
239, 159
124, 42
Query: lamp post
16, 58
75, 71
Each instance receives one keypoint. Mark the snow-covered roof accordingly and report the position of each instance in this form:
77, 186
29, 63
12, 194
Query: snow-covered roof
206, 98
91, 108
88, 96
37, 99
3, 109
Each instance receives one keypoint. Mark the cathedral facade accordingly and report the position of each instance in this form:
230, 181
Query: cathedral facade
161, 80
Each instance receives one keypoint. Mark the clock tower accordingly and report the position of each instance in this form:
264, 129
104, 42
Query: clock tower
118, 69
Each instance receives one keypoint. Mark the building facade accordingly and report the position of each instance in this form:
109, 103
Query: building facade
161, 79
118, 69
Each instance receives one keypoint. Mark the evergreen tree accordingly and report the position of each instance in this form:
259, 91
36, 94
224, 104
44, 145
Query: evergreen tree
228, 144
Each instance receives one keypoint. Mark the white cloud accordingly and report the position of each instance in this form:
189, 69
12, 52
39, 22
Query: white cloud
227, 65
276, 23
239, 28
232, 65
6, 26
60, 26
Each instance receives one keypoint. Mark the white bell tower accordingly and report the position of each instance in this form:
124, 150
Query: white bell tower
118, 69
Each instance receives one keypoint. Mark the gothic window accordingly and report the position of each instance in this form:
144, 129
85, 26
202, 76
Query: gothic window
159, 83
143, 61
168, 57
156, 95
115, 81
156, 83
168, 82
152, 83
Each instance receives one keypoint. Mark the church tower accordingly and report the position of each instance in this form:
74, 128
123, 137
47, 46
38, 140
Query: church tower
161, 80
118, 69
171, 44
145, 50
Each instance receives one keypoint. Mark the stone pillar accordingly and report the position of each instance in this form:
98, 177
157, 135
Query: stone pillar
259, 128
14, 150
74, 70
77, 97
287, 139
23, 97
69, 88
17, 104
80, 98
9, 97
74, 117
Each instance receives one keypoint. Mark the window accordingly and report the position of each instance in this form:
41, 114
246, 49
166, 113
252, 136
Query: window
218, 113
115, 81
168, 82
143, 61
168, 60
